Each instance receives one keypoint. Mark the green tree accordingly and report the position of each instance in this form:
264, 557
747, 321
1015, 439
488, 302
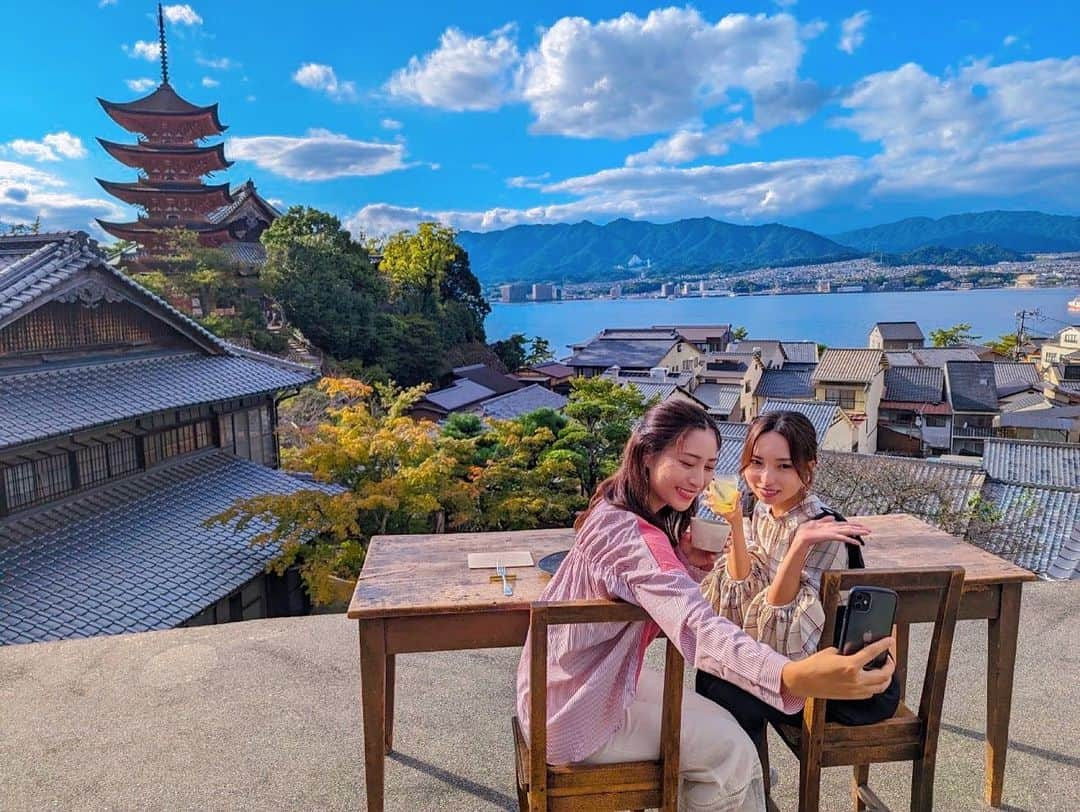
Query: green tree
416, 263
602, 414
539, 352
325, 283
1005, 344
957, 334
463, 426
511, 351
739, 333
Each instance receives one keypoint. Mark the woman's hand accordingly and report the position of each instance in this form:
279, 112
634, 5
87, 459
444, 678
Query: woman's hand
824, 530
702, 559
831, 675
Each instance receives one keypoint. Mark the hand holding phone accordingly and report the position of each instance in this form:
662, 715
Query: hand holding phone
869, 617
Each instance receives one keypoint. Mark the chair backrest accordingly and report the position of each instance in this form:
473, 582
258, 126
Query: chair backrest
556, 613
925, 595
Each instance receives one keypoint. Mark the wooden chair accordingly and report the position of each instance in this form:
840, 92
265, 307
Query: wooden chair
907, 736
630, 785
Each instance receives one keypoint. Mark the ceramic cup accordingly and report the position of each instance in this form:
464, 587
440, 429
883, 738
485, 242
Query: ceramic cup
709, 535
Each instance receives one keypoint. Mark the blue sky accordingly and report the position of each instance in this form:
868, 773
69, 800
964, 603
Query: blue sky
825, 115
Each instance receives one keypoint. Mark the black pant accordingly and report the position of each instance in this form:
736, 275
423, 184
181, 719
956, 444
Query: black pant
749, 711
752, 713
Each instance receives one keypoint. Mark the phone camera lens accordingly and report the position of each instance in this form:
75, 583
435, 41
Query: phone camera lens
861, 603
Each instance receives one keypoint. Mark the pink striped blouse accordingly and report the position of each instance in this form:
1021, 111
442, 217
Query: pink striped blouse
593, 669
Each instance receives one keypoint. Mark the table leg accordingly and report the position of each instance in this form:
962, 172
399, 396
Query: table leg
903, 638
373, 672
389, 702
1000, 664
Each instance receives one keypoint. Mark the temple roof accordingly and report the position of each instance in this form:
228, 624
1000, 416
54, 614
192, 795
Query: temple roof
138, 230
239, 197
135, 192
162, 102
135, 155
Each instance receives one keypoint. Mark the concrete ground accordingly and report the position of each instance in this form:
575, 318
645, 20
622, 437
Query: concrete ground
265, 714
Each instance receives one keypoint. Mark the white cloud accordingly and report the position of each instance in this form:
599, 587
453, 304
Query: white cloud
527, 182
104, 3
391, 124
463, 73
851, 31
629, 75
139, 85
1010, 39
208, 81
182, 14
315, 76
250, 98
27, 193
53, 147
683, 146
220, 63
319, 155
143, 49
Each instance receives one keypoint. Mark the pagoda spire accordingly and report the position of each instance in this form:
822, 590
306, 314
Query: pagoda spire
164, 52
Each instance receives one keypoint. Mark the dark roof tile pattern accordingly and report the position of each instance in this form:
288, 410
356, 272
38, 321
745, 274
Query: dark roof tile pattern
486, 376
1039, 528
915, 384
38, 405
458, 395
899, 330
634, 353
1013, 378
792, 381
522, 401
848, 366
800, 352
971, 386
719, 397
821, 415
134, 556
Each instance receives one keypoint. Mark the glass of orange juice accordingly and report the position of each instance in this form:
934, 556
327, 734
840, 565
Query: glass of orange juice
723, 495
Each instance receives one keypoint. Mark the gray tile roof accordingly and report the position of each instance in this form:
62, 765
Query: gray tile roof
722, 398
931, 356
246, 253
1038, 528
522, 401
486, 376
1055, 418
915, 384
631, 353
822, 415
461, 393
1024, 401
44, 262
650, 389
934, 491
732, 437
971, 386
848, 366
1013, 378
1026, 462
772, 350
133, 556
789, 382
800, 352
37, 405
899, 330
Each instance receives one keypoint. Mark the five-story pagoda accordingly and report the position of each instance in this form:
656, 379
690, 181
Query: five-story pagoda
173, 162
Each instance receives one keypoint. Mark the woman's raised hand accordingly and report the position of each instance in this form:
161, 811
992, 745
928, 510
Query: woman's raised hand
826, 529
702, 559
831, 675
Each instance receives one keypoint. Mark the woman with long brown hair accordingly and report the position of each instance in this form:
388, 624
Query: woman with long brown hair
632, 544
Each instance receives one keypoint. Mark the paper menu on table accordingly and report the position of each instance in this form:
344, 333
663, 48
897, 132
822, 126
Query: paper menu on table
511, 558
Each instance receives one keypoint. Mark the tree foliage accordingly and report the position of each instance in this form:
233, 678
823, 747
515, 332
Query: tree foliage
957, 334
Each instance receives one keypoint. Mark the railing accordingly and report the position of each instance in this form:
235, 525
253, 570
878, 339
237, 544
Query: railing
973, 431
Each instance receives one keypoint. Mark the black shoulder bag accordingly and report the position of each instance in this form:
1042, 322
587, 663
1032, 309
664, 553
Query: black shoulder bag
858, 711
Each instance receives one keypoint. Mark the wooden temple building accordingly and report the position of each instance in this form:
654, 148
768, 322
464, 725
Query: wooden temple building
124, 426
174, 160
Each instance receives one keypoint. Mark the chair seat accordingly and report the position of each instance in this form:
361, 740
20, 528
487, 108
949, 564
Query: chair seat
896, 739
638, 782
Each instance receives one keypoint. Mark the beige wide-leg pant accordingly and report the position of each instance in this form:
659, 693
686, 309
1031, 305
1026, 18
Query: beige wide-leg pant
718, 763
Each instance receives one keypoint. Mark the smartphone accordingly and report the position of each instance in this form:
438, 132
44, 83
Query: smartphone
869, 617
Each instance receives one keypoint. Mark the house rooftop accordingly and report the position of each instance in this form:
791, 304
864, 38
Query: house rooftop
133, 555
788, 382
484, 375
1030, 462
930, 356
141, 721
848, 366
719, 398
821, 415
914, 384
522, 401
801, 352
628, 353
458, 395
899, 330
1012, 378
971, 386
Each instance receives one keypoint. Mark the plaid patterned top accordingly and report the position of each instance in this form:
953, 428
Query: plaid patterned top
593, 669
795, 628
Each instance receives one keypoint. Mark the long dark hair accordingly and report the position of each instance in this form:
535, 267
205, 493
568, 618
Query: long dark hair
628, 488
796, 428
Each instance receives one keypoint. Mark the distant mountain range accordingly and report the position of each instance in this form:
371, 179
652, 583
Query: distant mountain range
584, 251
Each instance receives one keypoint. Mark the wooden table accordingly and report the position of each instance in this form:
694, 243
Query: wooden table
417, 594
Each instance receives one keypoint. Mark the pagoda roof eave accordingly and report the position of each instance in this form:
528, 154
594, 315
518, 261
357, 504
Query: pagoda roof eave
135, 230
117, 112
137, 189
163, 101
131, 154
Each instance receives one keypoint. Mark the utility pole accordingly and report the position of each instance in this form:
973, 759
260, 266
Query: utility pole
1020, 317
